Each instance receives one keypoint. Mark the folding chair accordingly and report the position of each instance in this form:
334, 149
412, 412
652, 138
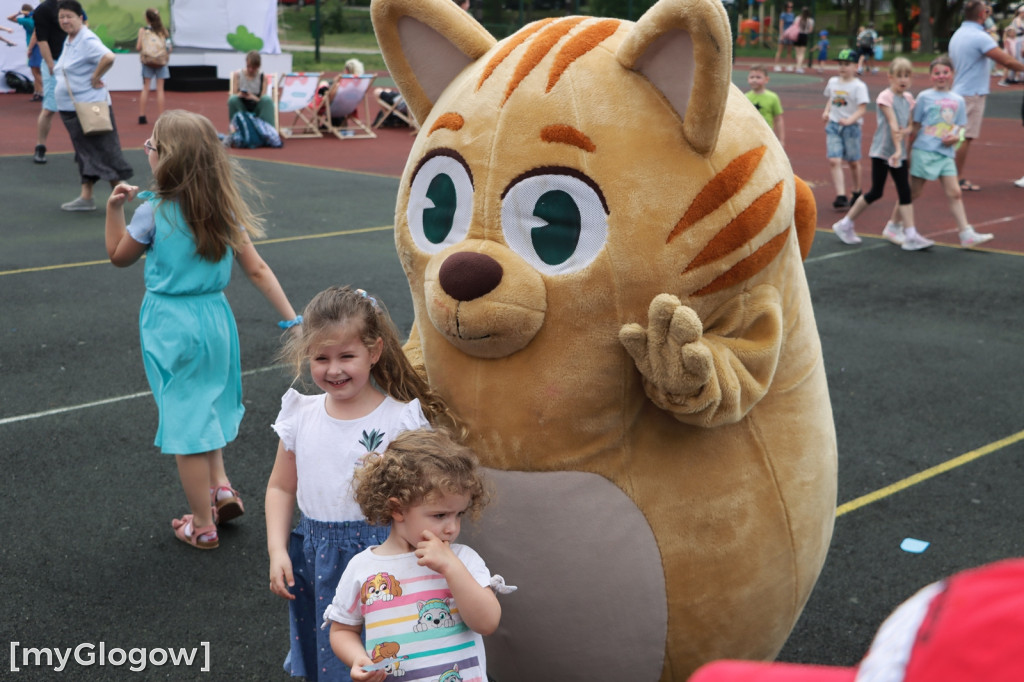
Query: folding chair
341, 113
392, 103
294, 95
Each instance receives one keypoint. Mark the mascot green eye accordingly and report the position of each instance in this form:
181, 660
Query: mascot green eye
440, 202
556, 221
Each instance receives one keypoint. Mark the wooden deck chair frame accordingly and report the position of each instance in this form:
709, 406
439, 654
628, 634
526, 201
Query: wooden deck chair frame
354, 126
388, 108
294, 95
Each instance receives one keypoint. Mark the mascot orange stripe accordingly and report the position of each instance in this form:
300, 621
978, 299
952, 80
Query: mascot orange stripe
450, 121
538, 49
721, 188
748, 267
742, 229
565, 134
506, 49
577, 46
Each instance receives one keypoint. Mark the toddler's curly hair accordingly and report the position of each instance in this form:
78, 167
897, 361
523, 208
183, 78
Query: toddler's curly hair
416, 465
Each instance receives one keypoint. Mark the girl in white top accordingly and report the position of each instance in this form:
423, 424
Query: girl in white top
347, 339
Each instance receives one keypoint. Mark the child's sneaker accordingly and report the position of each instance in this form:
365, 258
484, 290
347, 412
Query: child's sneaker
841, 203
969, 237
844, 230
912, 241
1019, 182
893, 233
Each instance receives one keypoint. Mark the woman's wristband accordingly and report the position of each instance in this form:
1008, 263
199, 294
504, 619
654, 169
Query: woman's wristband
288, 324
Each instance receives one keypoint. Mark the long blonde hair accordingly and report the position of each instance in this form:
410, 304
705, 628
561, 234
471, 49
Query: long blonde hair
367, 316
195, 171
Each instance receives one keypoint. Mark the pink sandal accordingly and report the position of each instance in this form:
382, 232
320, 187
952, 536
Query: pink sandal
200, 538
228, 507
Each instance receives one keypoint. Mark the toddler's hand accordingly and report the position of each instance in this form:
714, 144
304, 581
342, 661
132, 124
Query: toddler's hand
435, 553
281, 577
121, 194
360, 675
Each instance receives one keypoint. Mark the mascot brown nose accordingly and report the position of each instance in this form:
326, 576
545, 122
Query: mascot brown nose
465, 276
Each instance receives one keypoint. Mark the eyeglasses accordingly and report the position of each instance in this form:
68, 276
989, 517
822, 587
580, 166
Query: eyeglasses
148, 146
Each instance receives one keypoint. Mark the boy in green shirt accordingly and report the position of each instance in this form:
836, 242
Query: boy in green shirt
766, 101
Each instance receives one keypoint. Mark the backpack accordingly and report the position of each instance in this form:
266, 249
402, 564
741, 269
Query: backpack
18, 82
252, 132
866, 38
154, 49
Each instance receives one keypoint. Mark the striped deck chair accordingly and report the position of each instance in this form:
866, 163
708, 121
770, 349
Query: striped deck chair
294, 95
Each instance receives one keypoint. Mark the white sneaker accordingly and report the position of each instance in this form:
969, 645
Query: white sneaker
778, 68
912, 241
79, 204
799, 70
894, 233
844, 230
1019, 183
969, 237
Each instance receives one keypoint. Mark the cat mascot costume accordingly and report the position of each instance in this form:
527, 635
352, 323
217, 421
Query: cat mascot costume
604, 244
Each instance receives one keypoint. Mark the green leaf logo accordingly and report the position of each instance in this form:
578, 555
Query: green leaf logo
372, 440
243, 40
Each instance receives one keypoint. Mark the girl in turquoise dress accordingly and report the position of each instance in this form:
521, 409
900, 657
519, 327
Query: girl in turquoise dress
189, 228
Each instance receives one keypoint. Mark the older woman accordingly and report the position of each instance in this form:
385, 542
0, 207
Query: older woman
80, 69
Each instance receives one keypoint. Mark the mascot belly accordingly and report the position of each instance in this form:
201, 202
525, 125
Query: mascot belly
604, 244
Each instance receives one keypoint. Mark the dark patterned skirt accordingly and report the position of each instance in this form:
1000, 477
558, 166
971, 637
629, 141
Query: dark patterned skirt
98, 157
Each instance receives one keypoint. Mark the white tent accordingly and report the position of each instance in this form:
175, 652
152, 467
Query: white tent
209, 24
220, 25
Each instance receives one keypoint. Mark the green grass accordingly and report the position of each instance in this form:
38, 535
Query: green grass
294, 28
330, 61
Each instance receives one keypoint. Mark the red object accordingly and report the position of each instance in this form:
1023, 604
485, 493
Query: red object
967, 627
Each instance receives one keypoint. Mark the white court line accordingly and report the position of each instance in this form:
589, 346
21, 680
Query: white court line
848, 252
106, 401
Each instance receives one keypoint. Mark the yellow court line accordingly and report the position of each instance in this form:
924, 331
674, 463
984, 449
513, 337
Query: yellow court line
922, 476
280, 240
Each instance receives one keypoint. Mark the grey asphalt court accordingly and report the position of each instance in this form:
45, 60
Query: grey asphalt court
923, 353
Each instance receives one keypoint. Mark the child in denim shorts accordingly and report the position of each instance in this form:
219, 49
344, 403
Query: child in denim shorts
847, 101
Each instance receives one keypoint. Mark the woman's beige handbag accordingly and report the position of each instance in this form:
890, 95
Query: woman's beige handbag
94, 117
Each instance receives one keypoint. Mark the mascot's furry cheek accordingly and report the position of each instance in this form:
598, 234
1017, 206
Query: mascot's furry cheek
486, 304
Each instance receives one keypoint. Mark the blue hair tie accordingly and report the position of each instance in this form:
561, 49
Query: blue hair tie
288, 324
373, 301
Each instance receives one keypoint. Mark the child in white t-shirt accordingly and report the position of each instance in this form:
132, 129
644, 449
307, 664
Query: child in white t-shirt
843, 115
370, 394
422, 600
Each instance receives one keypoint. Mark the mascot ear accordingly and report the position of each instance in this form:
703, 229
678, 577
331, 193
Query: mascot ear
426, 44
684, 47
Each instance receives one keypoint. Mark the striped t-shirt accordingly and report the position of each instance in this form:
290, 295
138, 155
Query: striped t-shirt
410, 616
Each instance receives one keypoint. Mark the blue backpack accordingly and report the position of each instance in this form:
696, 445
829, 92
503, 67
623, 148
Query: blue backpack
246, 135
252, 132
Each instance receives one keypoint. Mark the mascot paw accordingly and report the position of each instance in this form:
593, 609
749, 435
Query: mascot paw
670, 353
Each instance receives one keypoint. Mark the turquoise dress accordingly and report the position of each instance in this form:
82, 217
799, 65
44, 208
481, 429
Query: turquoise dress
189, 338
